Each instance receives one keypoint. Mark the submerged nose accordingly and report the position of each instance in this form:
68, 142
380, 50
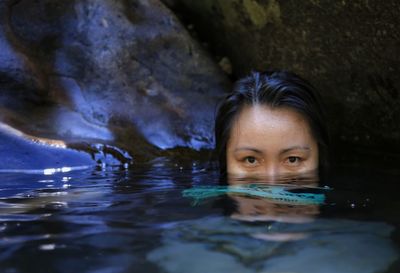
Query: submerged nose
271, 172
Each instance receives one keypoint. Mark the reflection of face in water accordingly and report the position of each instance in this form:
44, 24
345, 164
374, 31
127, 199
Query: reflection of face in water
259, 209
253, 208
270, 142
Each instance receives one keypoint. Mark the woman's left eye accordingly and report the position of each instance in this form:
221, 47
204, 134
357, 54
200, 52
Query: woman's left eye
293, 160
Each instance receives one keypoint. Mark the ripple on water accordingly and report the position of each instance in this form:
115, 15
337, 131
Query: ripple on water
137, 220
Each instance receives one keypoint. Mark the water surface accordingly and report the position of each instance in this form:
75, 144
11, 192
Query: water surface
137, 220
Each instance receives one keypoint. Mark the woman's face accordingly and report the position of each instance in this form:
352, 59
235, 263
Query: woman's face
271, 142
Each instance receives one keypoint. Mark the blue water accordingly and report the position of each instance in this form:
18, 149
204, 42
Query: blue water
104, 220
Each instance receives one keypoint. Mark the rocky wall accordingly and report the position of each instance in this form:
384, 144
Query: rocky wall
350, 50
125, 73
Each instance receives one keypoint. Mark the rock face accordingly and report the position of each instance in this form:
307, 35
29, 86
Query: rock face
122, 72
348, 49
22, 155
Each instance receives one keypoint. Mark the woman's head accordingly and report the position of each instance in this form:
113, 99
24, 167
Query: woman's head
271, 124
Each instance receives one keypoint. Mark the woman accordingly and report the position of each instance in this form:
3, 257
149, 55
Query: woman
271, 125
271, 129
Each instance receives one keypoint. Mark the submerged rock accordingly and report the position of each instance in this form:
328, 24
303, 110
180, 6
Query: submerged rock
124, 73
33, 155
21, 153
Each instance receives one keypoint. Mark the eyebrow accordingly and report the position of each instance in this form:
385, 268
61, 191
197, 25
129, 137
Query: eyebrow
295, 148
247, 149
306, 148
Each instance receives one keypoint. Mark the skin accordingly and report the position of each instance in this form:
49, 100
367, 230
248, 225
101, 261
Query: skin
270, 142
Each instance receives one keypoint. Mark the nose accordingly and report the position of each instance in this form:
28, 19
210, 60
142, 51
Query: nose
271, 171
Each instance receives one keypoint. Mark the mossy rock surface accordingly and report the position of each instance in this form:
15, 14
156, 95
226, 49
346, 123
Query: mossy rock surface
348, 49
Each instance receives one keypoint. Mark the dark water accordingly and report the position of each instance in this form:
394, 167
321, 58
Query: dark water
136, 220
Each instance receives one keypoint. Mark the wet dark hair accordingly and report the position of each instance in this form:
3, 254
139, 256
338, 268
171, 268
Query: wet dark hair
274, 89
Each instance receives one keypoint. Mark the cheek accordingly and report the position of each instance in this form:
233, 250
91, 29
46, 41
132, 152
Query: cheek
237, 168
313, 161
232, 165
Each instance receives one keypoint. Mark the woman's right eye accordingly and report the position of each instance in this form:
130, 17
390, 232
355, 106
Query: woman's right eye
250, 160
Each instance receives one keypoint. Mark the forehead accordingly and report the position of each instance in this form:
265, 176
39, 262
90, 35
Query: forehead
261, 124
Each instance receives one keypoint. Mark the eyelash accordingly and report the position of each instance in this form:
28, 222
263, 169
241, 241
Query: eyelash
298, 160
245, 160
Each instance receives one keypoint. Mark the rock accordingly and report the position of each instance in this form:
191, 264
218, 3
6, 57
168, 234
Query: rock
347, 49
26, 155
34, 155
124, 73
226, 65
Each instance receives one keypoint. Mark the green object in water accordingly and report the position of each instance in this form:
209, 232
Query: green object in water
275, 193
